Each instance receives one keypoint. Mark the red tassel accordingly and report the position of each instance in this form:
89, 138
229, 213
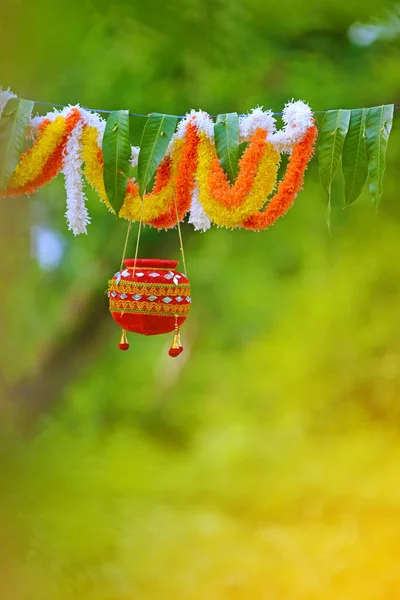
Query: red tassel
176, 348
174, 352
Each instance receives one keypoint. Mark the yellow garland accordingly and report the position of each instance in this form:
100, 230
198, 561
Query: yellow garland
264, 183
155, 204
33, 161
93, 169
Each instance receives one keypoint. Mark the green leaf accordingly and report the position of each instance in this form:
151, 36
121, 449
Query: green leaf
157, 134
226, 132
354, 159
378, 126
116, 156
13, 125
331, 139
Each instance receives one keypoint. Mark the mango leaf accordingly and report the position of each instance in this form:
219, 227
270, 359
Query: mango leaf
354, 159
331, 139
226, 132
116, 156
13, 125
157, 134
378, 126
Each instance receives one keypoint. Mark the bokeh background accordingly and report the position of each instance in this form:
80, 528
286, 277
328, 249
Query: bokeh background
264, 463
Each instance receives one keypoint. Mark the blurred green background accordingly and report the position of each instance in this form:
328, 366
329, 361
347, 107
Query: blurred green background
264, 463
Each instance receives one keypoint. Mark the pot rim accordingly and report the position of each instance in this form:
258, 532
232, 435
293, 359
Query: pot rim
152, 263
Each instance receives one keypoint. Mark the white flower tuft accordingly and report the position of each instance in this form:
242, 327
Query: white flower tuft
76, 214
203, 122
134, 156
298, 118
256, 119
5, 96
201, 119
298, 114
197, 216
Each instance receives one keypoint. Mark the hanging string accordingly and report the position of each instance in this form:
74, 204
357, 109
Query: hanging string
137, 241
138, 238
126, 245
177, 332
180, 236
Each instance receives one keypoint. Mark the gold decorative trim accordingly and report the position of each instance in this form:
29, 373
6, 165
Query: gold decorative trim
151, 290
152, 314
151, 308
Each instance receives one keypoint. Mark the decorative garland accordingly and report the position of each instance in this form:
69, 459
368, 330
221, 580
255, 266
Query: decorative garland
197, 172
189, 179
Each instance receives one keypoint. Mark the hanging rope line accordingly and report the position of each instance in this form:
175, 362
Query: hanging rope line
131, 114
180, 236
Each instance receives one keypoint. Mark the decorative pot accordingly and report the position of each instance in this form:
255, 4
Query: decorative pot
150, 298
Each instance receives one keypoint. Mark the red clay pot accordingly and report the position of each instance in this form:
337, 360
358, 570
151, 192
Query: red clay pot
149, 297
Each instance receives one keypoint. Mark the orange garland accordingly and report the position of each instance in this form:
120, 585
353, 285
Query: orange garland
259, 174
289, 187
233, 196
54, 163
184, 183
